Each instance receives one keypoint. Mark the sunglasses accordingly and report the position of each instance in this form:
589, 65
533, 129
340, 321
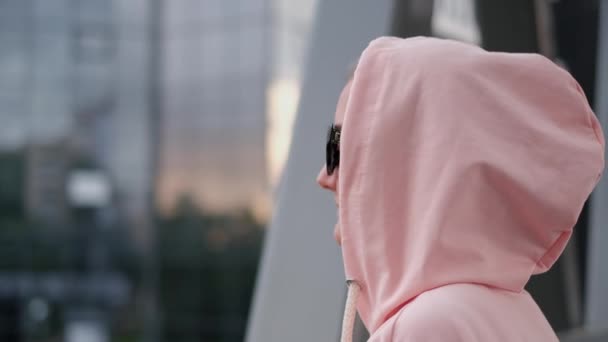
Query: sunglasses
332, 149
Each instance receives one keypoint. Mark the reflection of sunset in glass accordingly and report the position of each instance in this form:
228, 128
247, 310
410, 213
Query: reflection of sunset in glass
282, 96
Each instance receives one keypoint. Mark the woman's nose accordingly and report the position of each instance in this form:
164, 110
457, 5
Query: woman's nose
326, 181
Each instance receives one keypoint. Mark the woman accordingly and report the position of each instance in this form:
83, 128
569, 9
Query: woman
458, 173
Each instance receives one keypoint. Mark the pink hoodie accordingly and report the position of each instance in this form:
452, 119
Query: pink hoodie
462, 174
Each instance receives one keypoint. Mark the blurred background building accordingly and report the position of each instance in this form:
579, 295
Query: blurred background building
142, 138
142, 144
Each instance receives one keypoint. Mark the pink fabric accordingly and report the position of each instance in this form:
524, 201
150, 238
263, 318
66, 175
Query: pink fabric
462, 173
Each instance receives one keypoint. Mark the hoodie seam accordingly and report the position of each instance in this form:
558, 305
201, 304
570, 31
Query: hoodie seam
588, 111
382, 57
379, 57
588, 114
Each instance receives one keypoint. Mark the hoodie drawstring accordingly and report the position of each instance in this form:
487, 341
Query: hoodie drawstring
350, 311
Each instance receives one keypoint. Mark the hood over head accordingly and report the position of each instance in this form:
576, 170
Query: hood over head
459, 165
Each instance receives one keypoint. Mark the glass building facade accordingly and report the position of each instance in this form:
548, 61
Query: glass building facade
178, 114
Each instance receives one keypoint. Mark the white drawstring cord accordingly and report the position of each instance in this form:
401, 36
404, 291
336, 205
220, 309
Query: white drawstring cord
350, 311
